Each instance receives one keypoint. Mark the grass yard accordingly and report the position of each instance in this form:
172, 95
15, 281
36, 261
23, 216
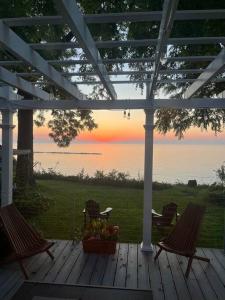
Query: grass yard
64, 217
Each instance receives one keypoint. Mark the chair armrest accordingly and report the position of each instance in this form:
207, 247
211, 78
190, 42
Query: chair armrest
106, 211
154, 213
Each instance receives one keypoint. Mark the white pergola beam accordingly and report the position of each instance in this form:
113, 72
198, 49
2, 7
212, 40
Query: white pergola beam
6, 92
194, 103
115, 73
169, 8
14, 44
163, 81
114, 60
24, 85
127, 81
213, 14
126, 43
214, 68
75, 20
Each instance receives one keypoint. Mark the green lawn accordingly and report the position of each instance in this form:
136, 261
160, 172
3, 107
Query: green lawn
67, 202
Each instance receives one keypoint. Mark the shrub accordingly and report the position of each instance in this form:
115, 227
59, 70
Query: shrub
217, 197
113, 178
30, 202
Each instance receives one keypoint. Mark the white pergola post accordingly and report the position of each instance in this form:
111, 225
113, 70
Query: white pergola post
7, 157
146, 244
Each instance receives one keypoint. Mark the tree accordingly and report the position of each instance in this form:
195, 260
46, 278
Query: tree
220, 173
64, 125
166, 120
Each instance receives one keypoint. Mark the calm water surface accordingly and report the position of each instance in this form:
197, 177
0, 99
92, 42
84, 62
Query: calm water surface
172, 162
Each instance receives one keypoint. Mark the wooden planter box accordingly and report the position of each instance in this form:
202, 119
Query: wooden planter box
99, 246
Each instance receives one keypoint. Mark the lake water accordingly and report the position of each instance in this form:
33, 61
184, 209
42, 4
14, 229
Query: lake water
172, 162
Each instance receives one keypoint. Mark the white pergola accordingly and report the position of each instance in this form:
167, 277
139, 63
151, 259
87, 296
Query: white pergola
26, 54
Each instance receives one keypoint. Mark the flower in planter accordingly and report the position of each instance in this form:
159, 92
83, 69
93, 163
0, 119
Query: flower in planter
99, 229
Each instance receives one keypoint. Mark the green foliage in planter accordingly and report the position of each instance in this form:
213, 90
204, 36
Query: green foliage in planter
101, 230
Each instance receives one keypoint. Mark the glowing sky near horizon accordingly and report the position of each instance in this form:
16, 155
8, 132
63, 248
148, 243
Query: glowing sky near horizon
114, 128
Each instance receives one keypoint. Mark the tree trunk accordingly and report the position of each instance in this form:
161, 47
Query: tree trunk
24, 166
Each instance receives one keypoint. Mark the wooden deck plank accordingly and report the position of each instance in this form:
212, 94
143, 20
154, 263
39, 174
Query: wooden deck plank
192, 284
167, 278
215, 282
131, 278
16, 277
121, 268
178, 277
66, 269
99, 270
143, 280
110, 270
202, 280
48, 263
42, 259
155, 276
216, 264
55, 269
10, 273
219, 254
88, 270
77, 268
129, 267
5, 274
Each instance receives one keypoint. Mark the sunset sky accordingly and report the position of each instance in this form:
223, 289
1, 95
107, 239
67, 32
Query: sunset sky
114, 128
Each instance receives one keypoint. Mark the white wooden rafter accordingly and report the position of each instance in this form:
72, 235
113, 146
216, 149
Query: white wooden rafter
212, 14
14, 44
192, 103
169, 8
74, 18
114, 60
108, 44
213, 69
24, 85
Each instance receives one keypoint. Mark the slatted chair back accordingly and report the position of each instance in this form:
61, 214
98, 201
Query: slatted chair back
93, 209
168, 213
23, 238
184, 235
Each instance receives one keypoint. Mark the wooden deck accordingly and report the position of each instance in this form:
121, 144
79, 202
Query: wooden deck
129, 267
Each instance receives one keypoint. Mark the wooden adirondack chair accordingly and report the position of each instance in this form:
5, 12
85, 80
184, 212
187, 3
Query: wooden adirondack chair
183, 237
165, 219
92, 210
23, 239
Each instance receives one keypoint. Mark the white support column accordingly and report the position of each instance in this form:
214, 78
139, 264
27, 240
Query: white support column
7, 157
146, 244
